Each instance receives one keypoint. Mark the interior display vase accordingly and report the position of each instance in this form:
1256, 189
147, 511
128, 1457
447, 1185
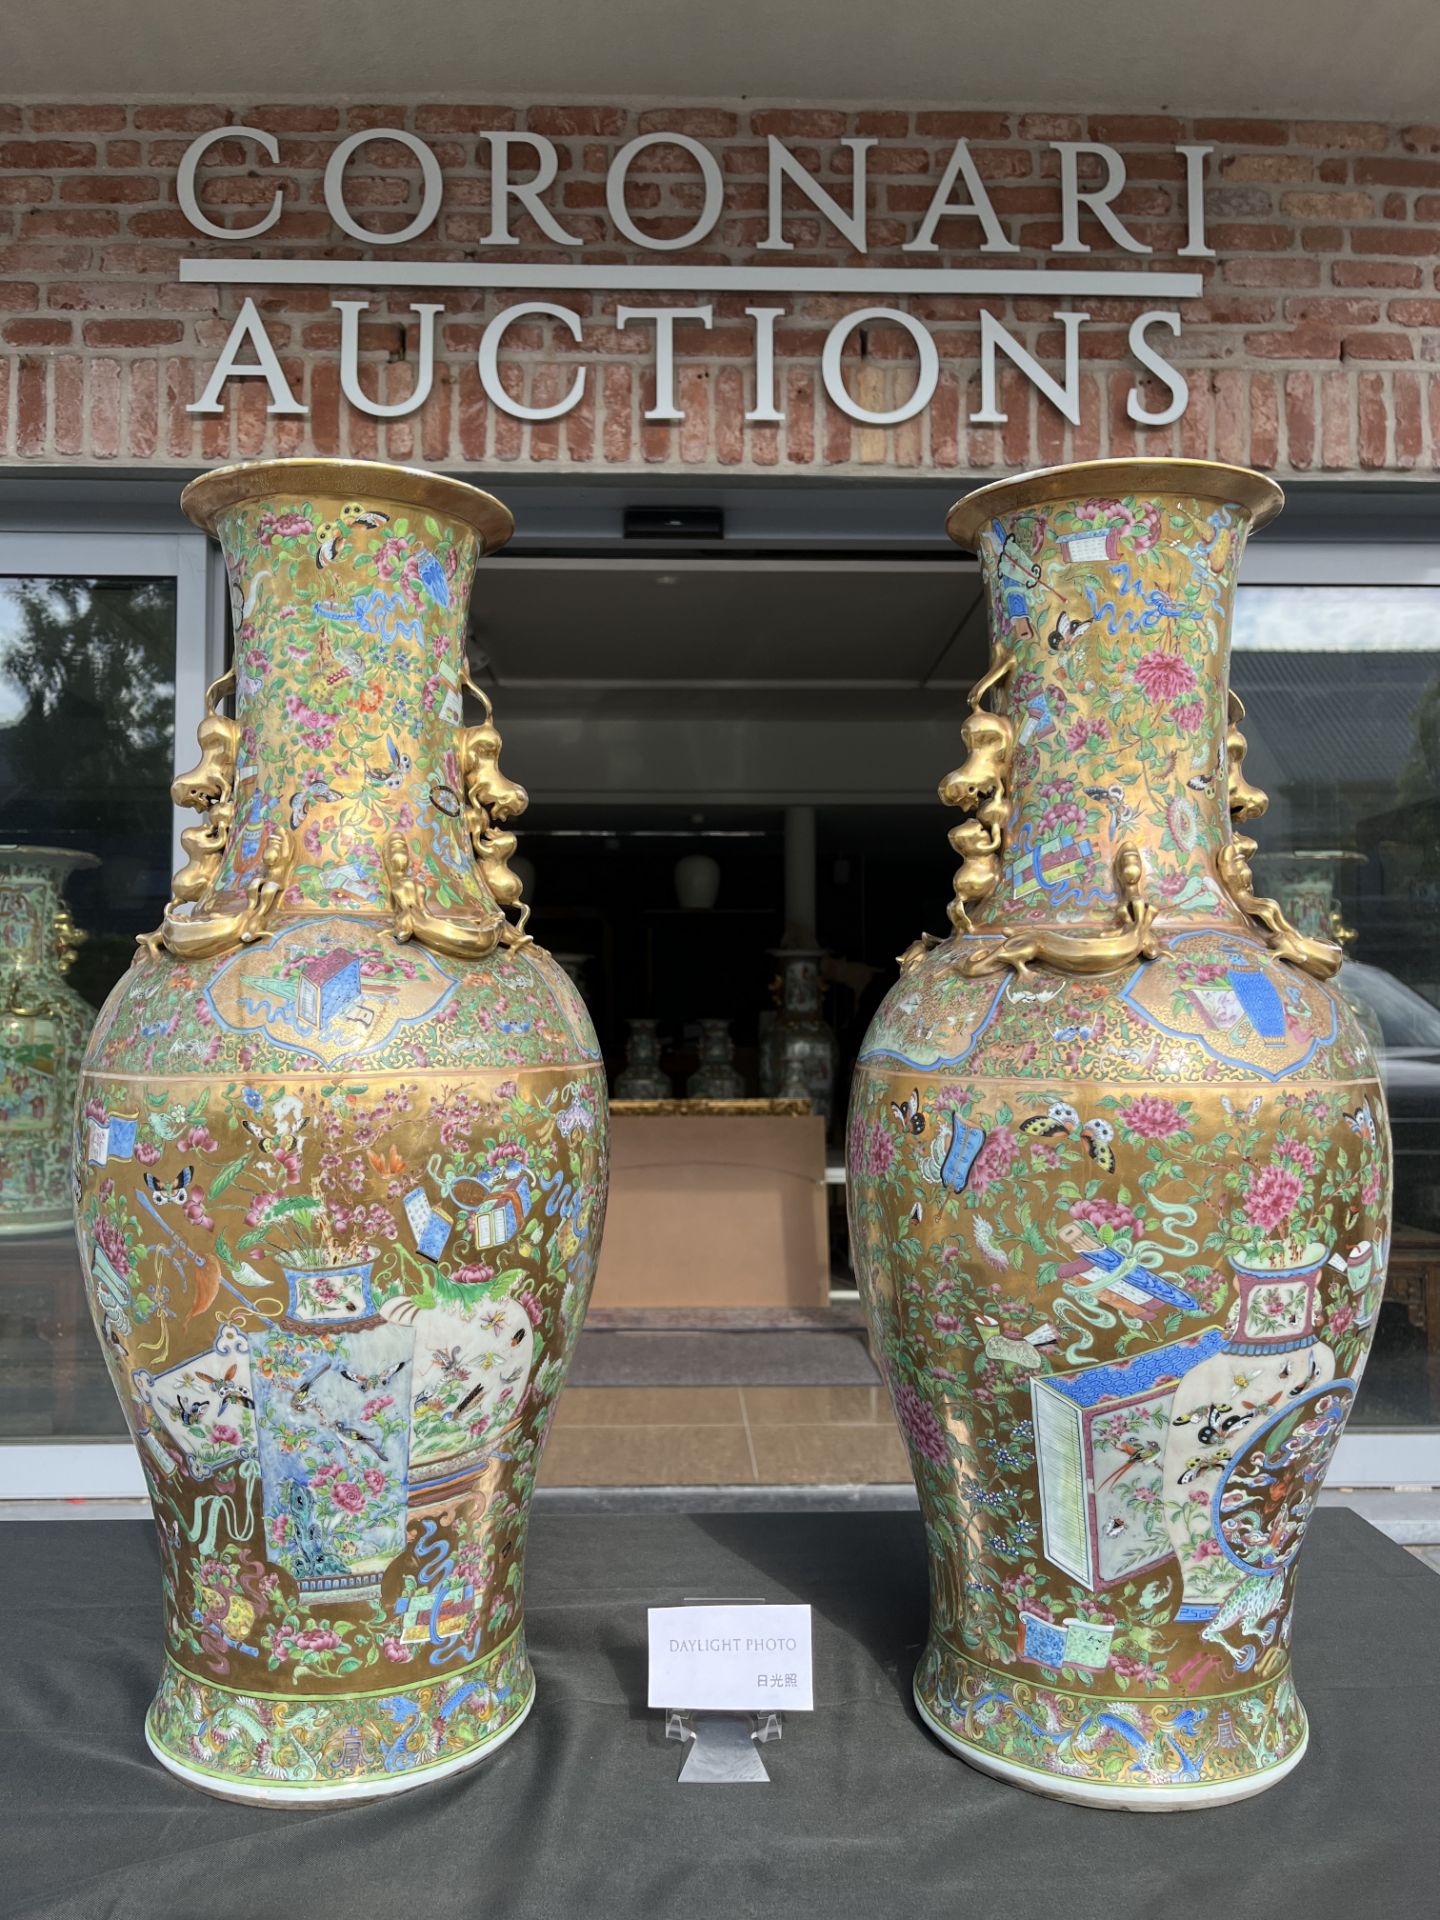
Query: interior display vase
1307, 888
340, 1160
1119, 1174
798, 1052
44, 1024
642, 1078
717, 1077
697, 882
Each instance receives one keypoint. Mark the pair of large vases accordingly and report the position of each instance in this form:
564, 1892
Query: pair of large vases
1118, 1171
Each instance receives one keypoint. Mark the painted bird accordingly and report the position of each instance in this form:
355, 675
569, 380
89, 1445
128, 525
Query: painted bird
358, 516
228, 1388
1138, 1453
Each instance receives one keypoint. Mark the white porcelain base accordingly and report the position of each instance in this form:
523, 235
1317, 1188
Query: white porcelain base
348, 1793
1118, 1799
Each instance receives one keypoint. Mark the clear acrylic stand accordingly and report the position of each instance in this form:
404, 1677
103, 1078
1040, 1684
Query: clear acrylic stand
724, 1748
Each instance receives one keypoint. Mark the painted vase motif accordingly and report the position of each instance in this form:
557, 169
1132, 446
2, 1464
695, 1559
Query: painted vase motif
798, 1052
44, 1024
340, 1166
1119, 1174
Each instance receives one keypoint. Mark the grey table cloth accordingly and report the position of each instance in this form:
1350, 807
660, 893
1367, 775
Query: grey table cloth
579, 1817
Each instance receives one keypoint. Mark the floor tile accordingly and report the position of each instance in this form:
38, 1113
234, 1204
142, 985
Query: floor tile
647, 1456
650, 1407
815, 1406
825, 1455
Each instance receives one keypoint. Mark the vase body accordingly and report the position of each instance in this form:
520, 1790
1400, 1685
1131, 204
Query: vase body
341, 1180
44, 1025
798, 1052
1120, 1200
697, 882
641, 1078
717, 1077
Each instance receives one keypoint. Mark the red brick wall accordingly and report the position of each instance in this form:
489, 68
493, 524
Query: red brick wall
1315, 350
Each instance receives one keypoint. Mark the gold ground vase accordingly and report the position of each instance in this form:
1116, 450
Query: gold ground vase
340, 1165
1119, 1174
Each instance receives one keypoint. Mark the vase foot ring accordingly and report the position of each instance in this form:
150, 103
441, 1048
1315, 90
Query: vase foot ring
1082, 1793
343, 1793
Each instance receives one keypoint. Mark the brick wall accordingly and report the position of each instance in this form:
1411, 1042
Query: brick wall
1315, 350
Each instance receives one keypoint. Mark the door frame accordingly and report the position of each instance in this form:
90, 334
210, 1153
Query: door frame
110, 1469
99, 1470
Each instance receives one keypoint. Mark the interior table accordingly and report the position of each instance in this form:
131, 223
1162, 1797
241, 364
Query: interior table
581, 1814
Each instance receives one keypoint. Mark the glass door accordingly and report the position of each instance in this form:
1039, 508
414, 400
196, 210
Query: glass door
102, 669
1337, 658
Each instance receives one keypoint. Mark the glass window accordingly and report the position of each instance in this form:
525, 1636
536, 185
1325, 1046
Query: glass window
1342, 691
87, 705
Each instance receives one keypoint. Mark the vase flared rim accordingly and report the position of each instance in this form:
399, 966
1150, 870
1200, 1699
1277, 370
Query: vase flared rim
214, 493
1261, 497
72, 857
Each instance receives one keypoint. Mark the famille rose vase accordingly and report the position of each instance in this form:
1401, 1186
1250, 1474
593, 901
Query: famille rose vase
44, 1024
1119, 1174
340, 1166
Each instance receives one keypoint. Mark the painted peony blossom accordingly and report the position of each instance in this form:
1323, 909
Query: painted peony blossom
317, 1640
1164, 676
1152, 1118
1272, 1197
346, 1494
879, 1152
1296, 1153
994, 1159
1106, 1213
921, 1424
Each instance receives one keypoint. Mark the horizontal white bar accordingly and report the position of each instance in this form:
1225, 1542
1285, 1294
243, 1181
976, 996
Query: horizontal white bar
1378, 1459
110, 1470
1038, 281
82, 1470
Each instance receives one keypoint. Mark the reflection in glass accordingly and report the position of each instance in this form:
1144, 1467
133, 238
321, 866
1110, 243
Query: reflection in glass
87, 697
1342, 691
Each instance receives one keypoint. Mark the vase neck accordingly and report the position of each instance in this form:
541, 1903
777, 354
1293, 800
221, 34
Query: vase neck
1116, 613
800, 977
29, 903
349, 634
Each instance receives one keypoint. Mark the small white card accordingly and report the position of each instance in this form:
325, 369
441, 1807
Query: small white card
736, 1659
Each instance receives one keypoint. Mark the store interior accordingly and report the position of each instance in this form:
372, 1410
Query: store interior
733, 751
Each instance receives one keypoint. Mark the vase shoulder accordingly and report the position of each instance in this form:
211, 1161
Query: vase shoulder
335, 991
1212, 1006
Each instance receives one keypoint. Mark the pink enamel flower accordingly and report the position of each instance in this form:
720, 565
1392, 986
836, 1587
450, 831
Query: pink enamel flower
1271, 1198
1152, 1118
1164, 676
921, 1423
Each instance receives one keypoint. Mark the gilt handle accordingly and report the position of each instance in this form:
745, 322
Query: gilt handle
980, 787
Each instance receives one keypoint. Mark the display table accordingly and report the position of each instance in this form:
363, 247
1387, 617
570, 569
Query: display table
580, 1817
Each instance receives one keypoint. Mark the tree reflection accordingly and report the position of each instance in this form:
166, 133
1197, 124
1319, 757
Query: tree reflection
93, 665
